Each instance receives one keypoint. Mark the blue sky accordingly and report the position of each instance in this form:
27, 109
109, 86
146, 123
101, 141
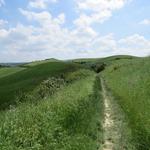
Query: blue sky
65, 29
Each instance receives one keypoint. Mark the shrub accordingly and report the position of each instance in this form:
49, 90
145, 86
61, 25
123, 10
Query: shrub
50, 86
98, 67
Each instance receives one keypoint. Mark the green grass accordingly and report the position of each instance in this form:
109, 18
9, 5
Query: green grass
69, 117
93, 63
69, 120
34, 63
5, 71
27, 79
105, 59
129, 81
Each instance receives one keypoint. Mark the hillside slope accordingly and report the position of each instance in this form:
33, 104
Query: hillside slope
129, 81
68, 120
5, 71
27, 79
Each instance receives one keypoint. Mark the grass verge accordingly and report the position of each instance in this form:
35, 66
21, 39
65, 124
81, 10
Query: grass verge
129, 82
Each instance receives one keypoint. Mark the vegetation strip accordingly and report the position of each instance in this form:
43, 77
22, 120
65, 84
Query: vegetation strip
129, 82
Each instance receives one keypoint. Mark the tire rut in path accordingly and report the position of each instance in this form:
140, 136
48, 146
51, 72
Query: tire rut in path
114, 124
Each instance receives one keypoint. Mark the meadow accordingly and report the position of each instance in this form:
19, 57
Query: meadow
16, 80
129, 81
67, 120
59, 105
6, 71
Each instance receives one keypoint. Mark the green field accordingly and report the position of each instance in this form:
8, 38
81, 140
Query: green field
39, 62
27, 79
70, 119
9, 70
129, 81
63, 105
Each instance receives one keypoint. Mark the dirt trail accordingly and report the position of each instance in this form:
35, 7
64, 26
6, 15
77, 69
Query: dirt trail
115, 128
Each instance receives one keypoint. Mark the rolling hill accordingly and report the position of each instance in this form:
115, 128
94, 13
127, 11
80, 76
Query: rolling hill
14, 80
96, 104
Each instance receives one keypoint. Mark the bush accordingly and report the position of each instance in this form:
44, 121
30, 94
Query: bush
50, 86
98, 67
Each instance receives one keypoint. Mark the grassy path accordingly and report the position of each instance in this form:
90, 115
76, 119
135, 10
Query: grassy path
116, 133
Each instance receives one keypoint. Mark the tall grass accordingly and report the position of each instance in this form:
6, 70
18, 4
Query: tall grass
51, 85
68, 120
130, 83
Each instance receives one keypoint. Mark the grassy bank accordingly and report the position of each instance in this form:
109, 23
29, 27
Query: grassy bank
68, 120
6, 71
129, 81
28, 79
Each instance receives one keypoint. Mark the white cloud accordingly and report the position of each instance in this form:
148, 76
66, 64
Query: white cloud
135, 44
50, 38
100, 5
41, 4
3, 23
2, 2
135, 39
43, 18
47, 39
26, 43
98, 10
145, 22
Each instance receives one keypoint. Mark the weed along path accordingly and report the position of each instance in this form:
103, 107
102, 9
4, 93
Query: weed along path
116, 132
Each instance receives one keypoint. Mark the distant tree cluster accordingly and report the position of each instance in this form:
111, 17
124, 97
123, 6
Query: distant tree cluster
98, 67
